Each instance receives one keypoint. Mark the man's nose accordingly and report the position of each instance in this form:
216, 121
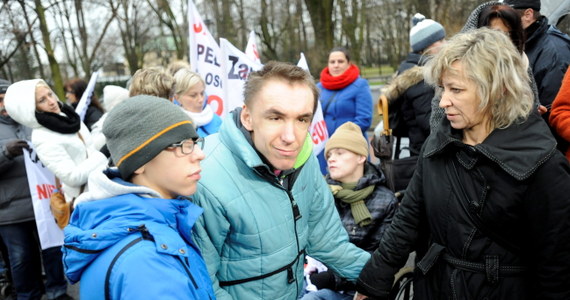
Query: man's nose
288, 132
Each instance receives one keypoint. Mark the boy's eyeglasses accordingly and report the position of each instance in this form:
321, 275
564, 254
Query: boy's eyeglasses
187, 146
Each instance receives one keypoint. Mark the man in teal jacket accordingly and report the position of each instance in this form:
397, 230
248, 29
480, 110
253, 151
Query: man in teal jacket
266, 204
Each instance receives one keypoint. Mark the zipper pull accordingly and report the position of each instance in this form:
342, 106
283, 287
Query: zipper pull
290, 277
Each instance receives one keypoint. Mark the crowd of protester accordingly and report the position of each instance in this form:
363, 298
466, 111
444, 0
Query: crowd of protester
170, 201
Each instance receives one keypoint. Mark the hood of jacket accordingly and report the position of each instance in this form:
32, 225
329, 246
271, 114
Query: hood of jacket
403, 82
109, 184
519, 149
99, 223
473, 18
20, 102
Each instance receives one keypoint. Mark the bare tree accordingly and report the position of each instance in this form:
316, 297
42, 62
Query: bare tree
53, 63
81, 37
134, 23
321, 13
167, 18
353, 19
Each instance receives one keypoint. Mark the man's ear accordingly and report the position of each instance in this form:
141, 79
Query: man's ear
245, 118
528, 15
361, 159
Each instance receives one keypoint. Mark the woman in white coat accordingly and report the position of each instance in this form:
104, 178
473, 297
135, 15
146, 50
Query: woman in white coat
61, 140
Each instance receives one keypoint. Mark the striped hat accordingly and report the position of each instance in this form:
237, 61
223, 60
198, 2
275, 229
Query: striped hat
140, 127
424, 33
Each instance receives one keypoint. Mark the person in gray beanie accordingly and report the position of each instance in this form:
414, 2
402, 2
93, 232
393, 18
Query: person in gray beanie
408, 95
425, 33
143, 202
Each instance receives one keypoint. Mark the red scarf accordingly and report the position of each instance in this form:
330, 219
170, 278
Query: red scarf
339, 82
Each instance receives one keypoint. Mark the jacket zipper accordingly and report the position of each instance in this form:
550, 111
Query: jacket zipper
188, 271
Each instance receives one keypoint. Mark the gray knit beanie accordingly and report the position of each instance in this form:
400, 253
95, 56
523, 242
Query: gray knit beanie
140, 127
424, 33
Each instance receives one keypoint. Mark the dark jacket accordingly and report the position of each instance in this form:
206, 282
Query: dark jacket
411, 97
15, 201
413, 59
92, 115
548, 52
382, 206
517, 184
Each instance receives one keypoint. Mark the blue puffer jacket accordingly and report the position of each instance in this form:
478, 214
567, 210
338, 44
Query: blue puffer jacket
249, 227
352, 103
161, 262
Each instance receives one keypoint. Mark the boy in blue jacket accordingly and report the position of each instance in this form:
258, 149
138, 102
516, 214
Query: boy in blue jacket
130, 235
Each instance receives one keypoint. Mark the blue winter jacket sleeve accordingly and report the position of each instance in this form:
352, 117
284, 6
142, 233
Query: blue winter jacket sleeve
363, 116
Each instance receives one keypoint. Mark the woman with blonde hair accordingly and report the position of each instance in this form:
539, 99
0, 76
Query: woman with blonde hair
487, 208
63, 143
189, 93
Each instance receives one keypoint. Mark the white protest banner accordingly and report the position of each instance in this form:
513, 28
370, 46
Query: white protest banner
42, 183
205, 59
85, 100
251, 50
318, 128
236, 66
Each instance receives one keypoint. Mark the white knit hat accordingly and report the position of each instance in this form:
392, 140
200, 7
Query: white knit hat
112, 95
424, 33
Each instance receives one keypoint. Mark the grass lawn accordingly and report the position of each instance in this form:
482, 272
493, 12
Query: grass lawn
371, 72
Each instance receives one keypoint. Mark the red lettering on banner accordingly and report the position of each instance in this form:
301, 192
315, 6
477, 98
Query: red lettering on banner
220, 104
44, 190
255, 51
318, 135
197, 27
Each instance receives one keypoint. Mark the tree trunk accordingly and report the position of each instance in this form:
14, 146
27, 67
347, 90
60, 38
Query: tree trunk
321, 12
53, 64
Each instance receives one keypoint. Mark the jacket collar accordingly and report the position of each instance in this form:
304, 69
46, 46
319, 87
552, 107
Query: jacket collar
536, 31
519, 149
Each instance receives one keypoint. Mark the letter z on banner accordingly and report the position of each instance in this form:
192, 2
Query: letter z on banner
236, 66
42, 183
205, 59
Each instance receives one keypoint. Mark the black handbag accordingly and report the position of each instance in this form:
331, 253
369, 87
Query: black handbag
398, 172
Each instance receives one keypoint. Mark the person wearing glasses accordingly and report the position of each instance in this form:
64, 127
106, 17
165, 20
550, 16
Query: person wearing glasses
129, 237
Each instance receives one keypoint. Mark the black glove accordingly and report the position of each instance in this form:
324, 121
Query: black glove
323, 280
14, 148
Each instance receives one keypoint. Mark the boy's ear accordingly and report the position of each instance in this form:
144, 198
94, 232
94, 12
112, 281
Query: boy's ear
361, 159
140, 170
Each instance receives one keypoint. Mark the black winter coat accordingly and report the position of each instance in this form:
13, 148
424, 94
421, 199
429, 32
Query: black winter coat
411, 97
548, 52
15, 200
382, 206
517, 184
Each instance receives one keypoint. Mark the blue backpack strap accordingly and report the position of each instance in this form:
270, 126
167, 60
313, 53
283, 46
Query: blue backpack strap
145, 235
